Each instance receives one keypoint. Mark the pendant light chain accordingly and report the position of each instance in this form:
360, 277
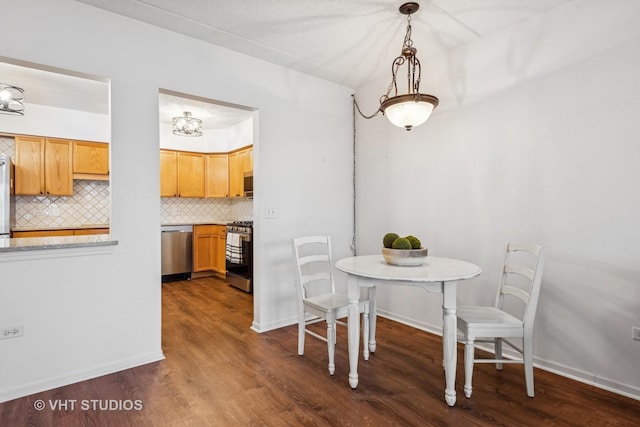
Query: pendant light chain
353, 236
355, 103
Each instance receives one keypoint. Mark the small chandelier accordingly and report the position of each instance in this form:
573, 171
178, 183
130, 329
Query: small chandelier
413, 108
11, 98
187, 125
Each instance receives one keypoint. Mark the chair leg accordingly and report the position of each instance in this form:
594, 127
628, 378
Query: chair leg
527, 351
498, 351
331, 336
365, 333
301, 332
469, 350
335, 336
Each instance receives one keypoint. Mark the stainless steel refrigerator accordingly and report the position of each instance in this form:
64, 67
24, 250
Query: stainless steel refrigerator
7, 205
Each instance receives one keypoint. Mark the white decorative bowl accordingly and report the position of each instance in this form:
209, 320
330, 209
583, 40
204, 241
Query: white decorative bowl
404, 257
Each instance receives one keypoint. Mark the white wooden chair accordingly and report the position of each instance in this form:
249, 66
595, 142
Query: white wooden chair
317, 297
520, 280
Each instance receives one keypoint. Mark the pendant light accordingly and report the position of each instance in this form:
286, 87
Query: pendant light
11, 98
187, 125
412, 108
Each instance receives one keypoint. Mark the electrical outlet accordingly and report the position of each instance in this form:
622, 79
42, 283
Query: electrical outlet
11, 332
635, 333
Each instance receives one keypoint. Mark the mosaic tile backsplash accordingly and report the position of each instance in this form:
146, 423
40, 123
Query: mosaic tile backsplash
199, 211
89, 205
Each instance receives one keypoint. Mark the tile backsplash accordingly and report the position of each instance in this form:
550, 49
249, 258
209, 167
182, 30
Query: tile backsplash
198, 211
90, 204
7, 146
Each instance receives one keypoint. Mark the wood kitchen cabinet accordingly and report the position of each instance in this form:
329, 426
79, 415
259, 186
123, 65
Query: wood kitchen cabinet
240, 161
217, 184
182, 174
42, 233
62, 232
90, 160
191, 174
89, 231
249, 159
209, 248
168, 173
43, 166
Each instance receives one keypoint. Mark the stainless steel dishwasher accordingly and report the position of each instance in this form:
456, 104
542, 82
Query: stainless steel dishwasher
177, 248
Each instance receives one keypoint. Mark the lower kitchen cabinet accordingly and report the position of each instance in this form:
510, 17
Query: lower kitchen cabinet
58, 233
90, 231
209, 246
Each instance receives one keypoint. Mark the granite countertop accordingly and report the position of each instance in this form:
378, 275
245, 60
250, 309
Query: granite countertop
60, 227
59, 242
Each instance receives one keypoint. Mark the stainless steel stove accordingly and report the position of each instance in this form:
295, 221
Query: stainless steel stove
239, 255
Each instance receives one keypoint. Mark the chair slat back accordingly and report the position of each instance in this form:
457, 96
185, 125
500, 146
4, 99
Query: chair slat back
533, 275
312, 263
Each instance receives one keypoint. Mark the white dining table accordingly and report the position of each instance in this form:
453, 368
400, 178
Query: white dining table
436, 275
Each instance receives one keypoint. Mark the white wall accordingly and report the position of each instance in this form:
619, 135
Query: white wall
536, 138
212, 140
40, 120
84, 316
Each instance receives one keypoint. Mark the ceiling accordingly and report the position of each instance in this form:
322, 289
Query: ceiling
348, 42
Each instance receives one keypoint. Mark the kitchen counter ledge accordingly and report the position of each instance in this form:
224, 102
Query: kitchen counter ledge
60, 242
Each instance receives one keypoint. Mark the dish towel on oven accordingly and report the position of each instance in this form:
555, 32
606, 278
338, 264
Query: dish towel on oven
234, 248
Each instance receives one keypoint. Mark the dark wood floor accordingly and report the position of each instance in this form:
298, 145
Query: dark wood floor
219, 372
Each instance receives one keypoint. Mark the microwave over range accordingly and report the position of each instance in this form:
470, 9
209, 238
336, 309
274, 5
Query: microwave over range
248, 184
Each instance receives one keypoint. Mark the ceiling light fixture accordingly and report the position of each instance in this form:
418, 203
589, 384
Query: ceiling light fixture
187, 125
11, 98
413, 108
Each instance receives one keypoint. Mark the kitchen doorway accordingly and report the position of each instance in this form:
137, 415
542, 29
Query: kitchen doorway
206, 152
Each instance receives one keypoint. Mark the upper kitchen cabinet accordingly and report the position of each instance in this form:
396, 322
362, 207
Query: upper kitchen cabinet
43, 166
217, 175
90, 160
249, 159
168, 173
240, 161
191, 176
182, 174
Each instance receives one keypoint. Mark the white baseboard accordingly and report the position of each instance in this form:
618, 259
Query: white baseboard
546, 365
588, 378
74, 377
264, 327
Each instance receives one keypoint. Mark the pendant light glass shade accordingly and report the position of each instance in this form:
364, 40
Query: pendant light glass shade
187, 125
409, 111
11, 98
